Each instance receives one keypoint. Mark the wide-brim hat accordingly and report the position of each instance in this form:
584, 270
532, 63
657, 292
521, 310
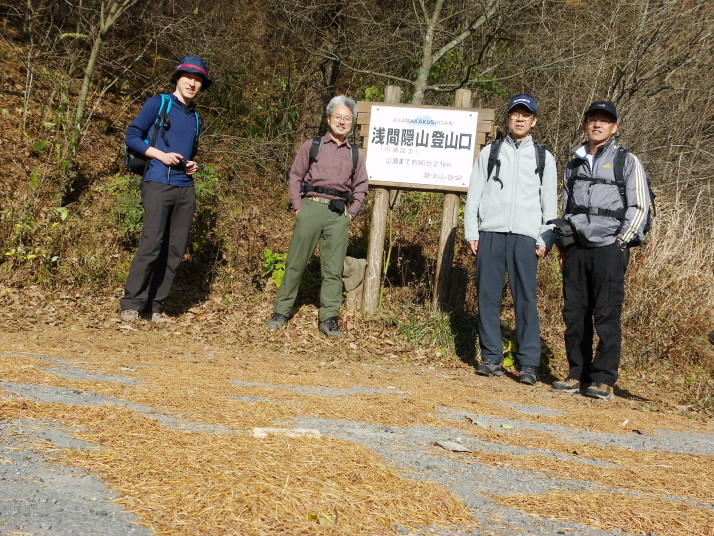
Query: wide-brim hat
193, 64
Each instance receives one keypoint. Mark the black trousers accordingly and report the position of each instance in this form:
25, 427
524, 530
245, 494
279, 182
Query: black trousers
168, 213
593, 292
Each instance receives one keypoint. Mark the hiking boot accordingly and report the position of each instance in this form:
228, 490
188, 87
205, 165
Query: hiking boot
129, 315
490, 368
600, 390
330, 328
276, 321
568, 385
529, 375
160, 318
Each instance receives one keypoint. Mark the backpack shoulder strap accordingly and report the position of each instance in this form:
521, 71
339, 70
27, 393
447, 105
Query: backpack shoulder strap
493, 160
540, 160
355, 156
618, 166
573, 165
198, 125
162, 118
314, 150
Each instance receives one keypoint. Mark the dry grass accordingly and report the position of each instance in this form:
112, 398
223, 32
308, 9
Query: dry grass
648, 515
671, 287
644, 472
194, 483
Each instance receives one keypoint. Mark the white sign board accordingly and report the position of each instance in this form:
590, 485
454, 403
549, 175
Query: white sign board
421, 146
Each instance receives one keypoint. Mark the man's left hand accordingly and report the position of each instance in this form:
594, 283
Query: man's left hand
191, 167
541, 251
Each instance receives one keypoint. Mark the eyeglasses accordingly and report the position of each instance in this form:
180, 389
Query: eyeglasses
346, 118
524, 115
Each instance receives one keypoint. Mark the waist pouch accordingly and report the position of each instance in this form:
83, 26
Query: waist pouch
338, 206
563, 232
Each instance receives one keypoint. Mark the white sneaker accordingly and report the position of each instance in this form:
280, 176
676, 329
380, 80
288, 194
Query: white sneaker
129, 315
160, 318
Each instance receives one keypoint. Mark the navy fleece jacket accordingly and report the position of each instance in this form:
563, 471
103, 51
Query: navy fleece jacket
182, 136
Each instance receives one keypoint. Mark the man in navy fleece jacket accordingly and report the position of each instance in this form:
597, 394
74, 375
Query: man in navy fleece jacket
167, 192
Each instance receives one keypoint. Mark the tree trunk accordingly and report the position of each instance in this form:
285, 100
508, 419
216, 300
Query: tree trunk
427, 60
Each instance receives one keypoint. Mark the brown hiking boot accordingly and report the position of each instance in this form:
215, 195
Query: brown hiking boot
600, 390
568, 385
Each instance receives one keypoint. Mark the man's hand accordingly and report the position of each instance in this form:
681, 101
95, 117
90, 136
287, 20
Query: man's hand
473, 247
541, 251
169, 159
191, 167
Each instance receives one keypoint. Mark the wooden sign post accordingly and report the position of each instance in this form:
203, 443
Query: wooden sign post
378, 229
449, 221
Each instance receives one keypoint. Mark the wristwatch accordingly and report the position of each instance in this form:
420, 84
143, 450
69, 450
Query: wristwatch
621, 244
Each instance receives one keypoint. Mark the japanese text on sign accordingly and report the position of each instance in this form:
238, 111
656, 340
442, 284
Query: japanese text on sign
421, 146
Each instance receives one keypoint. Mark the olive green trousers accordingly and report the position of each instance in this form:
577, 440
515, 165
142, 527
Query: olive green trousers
315, 221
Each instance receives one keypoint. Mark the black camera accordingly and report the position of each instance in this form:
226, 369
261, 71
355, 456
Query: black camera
563, 231
181, 166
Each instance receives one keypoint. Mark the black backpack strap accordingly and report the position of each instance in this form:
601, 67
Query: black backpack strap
592, 211
571, 184
198, 134
618, 165
618, 171
540, 160
305, 186
355, 156
494, 161
314, 150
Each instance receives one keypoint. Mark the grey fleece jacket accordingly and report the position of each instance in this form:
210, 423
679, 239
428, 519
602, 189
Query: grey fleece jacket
517, 203
597, 230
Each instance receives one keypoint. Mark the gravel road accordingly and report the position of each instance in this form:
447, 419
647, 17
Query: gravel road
42, 498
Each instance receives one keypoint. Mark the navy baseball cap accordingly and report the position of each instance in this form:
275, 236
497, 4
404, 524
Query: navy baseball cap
603, 106
523, 99
193, 64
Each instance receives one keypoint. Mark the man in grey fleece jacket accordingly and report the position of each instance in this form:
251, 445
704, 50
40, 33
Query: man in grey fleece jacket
505, 227
594, 267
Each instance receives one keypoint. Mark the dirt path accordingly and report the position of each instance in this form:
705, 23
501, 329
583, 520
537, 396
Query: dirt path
134, 430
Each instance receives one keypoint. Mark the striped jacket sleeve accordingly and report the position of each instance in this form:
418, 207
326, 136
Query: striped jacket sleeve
637, 199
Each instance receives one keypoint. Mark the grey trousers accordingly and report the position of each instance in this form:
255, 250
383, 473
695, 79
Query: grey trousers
168, 213
499, 253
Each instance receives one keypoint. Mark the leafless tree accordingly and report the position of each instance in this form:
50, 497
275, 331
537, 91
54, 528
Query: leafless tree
109, 12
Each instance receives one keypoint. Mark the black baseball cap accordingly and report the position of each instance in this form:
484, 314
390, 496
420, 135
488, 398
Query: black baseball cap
603, 106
